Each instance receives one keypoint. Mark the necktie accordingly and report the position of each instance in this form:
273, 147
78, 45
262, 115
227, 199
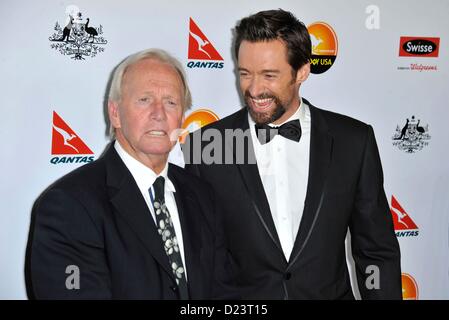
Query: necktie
290, 130
169, 240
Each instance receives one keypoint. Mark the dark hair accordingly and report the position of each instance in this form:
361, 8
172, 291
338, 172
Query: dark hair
276, 24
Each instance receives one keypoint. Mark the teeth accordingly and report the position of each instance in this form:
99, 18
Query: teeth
262, 101
157, 133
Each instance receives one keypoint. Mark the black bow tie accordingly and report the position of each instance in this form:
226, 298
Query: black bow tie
290, 130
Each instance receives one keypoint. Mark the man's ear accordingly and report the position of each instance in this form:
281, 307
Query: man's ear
113, 112
303, 73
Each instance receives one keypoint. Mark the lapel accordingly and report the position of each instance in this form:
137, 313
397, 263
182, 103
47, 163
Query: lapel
129, 203
189, 216
253, 183
320, 158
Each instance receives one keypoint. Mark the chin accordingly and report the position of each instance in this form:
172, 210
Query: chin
267, 116
156, 149
261, 117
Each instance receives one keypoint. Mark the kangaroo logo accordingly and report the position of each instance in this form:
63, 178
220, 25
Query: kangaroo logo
401, 219
65, 140
200, 46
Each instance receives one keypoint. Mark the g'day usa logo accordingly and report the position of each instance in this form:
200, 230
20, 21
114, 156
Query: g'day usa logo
65, 143
77, 37
202, 53
324, 47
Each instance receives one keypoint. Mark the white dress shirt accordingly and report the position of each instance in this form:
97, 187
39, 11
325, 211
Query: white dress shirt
284, 169
145, 178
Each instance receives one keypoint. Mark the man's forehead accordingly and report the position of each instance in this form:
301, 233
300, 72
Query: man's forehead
152, 71
262, 51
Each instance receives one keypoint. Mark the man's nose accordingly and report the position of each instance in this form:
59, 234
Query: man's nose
256, 87
158, 111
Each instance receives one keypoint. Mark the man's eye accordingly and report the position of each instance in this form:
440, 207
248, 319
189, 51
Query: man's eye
144, 99
170, 103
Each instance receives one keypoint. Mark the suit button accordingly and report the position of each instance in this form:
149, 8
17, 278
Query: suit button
287, 276
174, 288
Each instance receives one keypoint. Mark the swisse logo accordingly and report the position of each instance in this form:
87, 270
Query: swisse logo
419, 47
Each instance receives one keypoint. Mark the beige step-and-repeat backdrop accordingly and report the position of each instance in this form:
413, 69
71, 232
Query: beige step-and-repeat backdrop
383, 62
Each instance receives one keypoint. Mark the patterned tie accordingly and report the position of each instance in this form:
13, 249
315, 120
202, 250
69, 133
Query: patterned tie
290, 130
169, 240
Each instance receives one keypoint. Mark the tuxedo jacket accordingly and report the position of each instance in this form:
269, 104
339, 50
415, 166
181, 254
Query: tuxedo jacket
345, 191
96, 219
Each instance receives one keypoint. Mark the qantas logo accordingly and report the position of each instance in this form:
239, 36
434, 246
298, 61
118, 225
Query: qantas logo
403, 223
200, 48
66, 142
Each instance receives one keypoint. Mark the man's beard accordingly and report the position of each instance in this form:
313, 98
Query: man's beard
265, 117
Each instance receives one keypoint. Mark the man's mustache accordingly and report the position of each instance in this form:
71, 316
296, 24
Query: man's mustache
260, 96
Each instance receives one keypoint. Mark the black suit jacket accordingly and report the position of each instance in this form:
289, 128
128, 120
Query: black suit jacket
345, 190
96, 219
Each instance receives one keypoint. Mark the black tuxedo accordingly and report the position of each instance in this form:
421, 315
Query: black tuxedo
345, 190
96, 219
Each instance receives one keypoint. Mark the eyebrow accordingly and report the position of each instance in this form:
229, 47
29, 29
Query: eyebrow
168, 94
263, 71
270, 71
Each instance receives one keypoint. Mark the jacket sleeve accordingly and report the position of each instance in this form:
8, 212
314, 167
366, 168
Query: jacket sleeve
65, 254
374, 243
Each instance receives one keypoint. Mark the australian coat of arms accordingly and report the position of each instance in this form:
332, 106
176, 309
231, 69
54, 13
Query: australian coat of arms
412, 137
78, 38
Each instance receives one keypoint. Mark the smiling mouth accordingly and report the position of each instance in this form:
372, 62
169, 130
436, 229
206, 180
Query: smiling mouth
262, 104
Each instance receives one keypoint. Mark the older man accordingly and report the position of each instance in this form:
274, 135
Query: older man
130, 225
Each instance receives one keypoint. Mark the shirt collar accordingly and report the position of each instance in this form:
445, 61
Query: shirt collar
143, 175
